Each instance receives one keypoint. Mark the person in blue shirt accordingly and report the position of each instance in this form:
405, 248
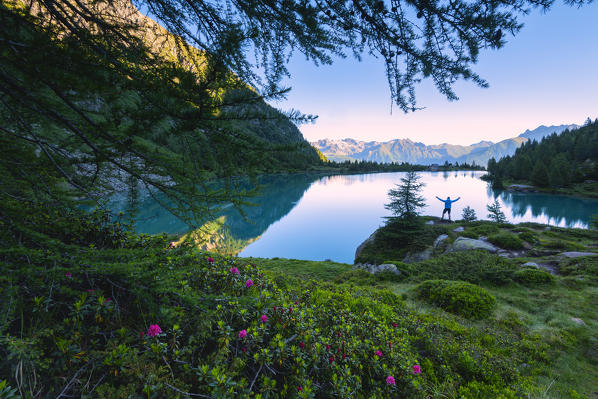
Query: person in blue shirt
447, 206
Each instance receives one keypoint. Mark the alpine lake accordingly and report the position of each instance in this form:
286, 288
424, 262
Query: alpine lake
315, 217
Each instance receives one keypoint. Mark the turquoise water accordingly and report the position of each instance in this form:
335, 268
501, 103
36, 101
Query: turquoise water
316, 218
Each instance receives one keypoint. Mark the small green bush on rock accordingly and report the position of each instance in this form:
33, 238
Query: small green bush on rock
506, 240
532, 277
458, 297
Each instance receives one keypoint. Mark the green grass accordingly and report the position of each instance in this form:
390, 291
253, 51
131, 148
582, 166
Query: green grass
302, 269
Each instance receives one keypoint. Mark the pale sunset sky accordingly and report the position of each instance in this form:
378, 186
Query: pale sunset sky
546, 75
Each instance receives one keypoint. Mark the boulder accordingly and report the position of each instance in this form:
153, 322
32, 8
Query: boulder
374, 269
387, 267
575, 254
459, 229
440, 239
361, 246
578, 321
521, 187
430, 222
467, 244
418, 256
531, 264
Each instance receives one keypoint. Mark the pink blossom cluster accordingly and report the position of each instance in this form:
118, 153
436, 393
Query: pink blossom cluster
154, 330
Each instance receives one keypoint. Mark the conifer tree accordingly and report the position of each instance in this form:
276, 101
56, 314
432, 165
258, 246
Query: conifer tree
495, 212
406, 200
539, 175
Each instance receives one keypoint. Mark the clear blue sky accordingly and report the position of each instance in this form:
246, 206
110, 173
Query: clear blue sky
546, 75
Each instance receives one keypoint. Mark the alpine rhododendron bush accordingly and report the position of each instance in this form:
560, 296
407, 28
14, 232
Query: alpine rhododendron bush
90, 310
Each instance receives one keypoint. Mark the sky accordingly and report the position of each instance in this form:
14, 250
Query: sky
546, 75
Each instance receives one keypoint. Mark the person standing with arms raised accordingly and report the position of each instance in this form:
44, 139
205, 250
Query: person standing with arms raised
447, 206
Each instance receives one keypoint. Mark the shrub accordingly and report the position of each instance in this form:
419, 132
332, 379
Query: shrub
459, 297
533, 277
468, 214
357, 277
473, 266
506, 240
528, 236
405, 268
485, 229
586, 265
470, 234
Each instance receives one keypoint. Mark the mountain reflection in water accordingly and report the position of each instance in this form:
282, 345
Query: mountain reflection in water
308, 216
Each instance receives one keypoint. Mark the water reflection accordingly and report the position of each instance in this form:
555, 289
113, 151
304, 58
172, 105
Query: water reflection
307, 216
558, 210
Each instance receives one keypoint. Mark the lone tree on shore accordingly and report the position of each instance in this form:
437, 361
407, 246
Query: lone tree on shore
405, 200
495, 212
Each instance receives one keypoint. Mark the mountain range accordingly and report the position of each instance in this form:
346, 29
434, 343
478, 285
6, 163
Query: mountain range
406, 150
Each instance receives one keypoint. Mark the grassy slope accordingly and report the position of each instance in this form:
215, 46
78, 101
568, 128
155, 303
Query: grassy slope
546, 311
60, 333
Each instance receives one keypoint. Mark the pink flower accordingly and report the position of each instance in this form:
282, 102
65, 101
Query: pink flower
331, 359
141, 334
244, 349
302, 345
171, 245
275, 308
234, 270
242, 333
290, 310
211, 260
248, 283
299, 388
327, 347
154, 330
344, 356
107, 300
68, 274
390, 380
395, 325
417, 369
264, 318
378, 353
389, 344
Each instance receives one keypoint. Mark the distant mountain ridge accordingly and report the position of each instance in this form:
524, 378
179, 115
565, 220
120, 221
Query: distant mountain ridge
406, 150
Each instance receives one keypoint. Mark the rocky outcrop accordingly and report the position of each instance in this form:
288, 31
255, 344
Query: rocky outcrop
440, 240
361, 246
375, 269
521, 187
468, 244
418, 256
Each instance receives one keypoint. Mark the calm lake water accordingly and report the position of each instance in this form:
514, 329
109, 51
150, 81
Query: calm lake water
312, 217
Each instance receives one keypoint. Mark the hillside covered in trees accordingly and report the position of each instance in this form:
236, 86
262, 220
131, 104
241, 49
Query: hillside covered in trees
99, 97
557, 161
